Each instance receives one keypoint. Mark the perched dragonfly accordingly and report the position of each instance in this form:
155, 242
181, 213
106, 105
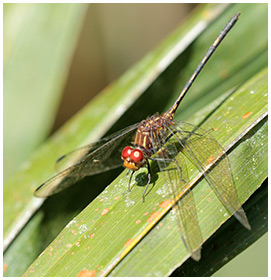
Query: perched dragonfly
168, 142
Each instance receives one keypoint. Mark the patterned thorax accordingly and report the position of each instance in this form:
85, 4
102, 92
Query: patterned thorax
152, 133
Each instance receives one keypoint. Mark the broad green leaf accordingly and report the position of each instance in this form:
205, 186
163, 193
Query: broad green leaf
148, 79
98, 240
230, 240
249, 166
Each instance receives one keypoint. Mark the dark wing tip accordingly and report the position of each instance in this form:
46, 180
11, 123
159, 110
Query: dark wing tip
59, 159
37, 189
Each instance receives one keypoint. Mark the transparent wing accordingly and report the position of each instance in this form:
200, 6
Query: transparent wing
203, 150
89, 160
74, 156
174, 172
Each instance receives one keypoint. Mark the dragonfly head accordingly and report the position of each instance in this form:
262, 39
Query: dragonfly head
132, 158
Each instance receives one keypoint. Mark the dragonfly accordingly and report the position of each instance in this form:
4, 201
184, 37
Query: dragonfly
169, 143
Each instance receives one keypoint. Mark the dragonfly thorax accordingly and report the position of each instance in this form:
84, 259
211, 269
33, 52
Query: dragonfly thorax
150, 137
151, 134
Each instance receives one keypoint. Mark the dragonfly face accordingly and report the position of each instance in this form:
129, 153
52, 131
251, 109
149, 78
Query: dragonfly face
133, 158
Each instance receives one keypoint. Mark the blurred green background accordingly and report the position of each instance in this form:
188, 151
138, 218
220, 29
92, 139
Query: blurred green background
57, 62
65, 57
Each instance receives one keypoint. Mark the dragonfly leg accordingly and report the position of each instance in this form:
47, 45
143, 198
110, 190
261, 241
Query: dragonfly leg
171, 160
149, 180
129, 184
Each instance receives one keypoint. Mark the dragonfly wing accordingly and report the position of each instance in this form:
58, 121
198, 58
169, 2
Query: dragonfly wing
73, 157
76, 155
89, 160
174, 172
203, 150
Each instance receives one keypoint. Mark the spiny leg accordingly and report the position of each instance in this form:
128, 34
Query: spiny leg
171, 160
149, 180
129, 184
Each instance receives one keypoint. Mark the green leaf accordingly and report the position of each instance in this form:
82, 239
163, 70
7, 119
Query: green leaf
230, 240
109, 108
102, 235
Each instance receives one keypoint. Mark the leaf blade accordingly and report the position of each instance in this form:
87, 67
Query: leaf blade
128, 215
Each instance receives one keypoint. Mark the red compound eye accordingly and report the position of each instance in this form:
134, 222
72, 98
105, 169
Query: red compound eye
137, 155
126, 152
